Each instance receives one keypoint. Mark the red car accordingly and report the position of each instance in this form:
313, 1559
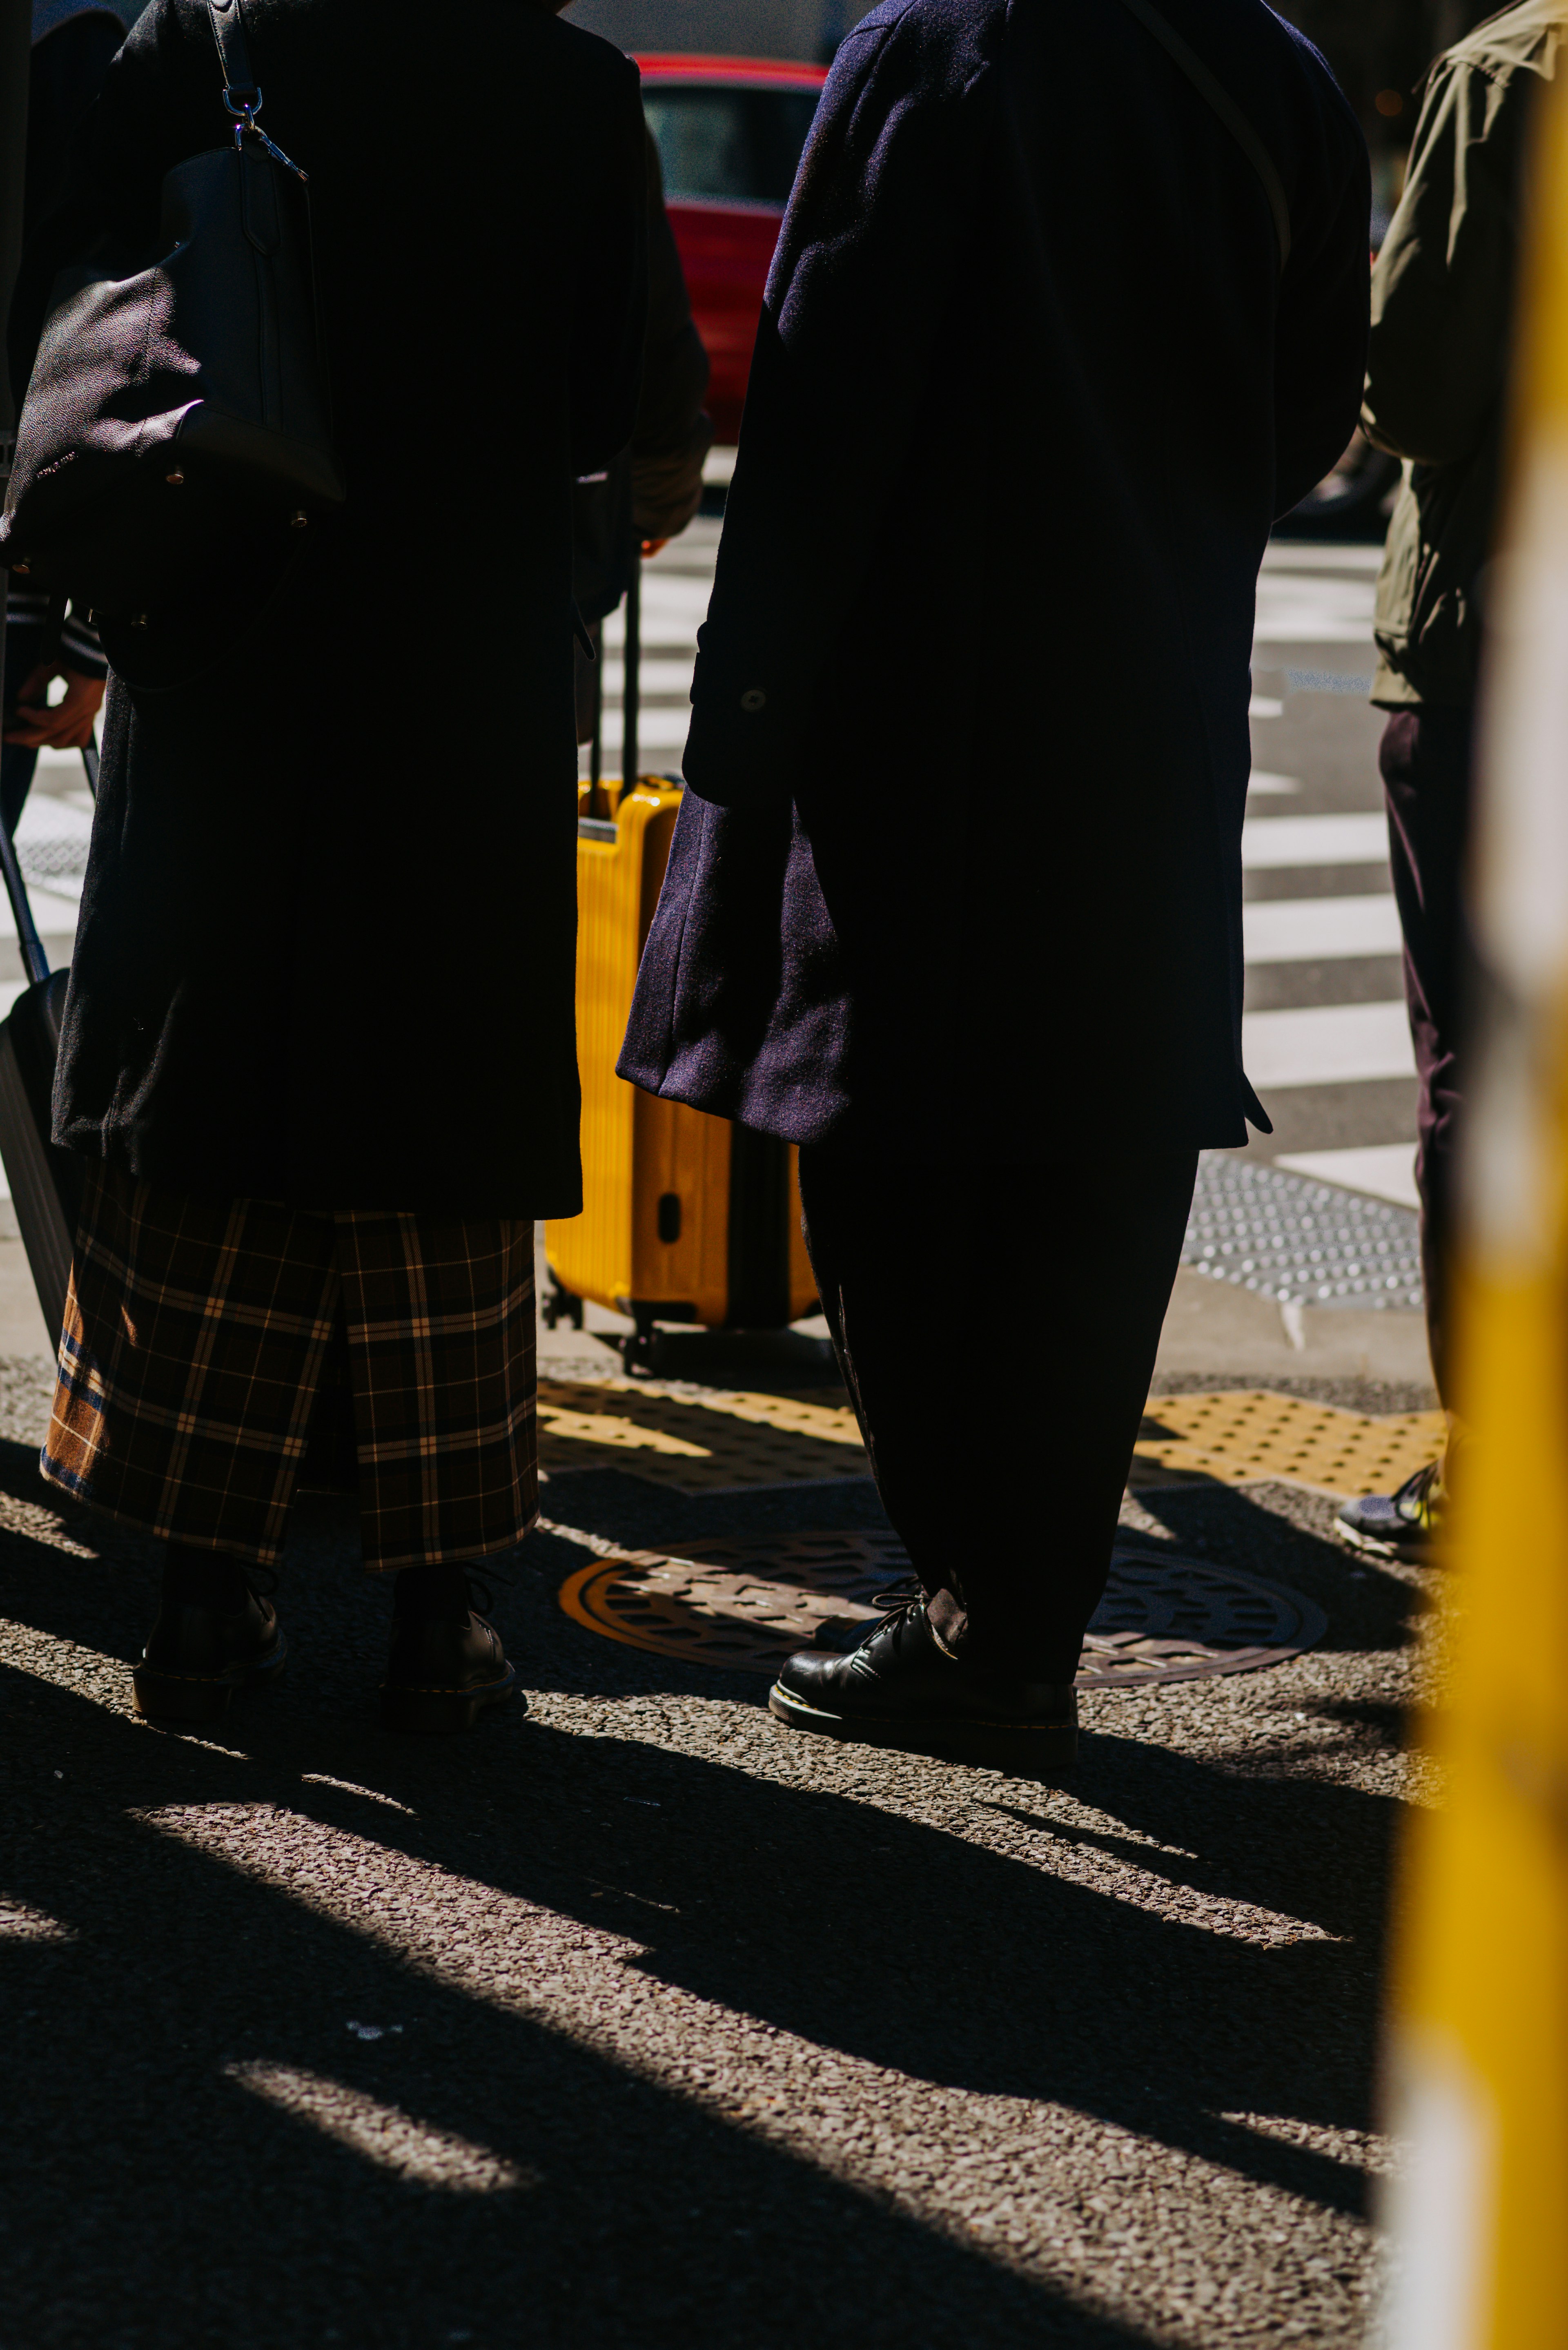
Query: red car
730, 132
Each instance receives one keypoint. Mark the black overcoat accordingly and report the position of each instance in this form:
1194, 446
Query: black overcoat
958, 867
326, 937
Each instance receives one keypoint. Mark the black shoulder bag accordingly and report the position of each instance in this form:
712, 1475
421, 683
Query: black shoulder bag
172, 409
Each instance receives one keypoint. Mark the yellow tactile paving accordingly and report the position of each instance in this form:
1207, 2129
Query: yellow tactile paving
725, 1437
1241, 1436
718, 1440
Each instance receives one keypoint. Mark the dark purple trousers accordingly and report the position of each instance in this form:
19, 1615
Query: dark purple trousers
999, 1411
1425, 757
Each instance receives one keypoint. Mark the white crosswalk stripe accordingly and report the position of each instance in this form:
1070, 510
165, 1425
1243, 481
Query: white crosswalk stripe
1263, 785
1271, 841
1333, 1072
1387, 1169
1320, 930
1326, 1043
1301, 610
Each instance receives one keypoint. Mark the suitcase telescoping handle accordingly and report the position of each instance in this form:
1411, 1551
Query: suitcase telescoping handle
631, 685
631, 695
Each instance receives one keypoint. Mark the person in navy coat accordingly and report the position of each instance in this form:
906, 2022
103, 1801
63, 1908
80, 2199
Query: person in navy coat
1070, 302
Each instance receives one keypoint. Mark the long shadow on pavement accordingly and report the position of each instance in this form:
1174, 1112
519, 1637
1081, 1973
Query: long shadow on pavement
193, 2213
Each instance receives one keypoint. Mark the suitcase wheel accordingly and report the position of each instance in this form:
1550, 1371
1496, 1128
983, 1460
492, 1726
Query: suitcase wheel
640, 1347
559, 1305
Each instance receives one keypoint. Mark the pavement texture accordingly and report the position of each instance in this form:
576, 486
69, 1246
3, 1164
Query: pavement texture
636, 2019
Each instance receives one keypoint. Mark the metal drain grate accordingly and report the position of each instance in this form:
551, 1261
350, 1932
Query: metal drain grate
1300, 1242
746, 1605
712, 1441
1243, 1436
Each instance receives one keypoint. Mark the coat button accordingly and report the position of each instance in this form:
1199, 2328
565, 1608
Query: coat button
754, 698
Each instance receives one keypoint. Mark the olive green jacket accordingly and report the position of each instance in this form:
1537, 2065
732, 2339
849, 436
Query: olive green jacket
1442, 302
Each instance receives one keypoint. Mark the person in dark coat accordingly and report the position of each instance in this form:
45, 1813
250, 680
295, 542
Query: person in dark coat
319, 1051
1069, 303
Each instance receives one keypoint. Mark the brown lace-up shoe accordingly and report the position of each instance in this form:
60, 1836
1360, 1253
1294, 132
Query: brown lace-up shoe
196, 1658
443, 1671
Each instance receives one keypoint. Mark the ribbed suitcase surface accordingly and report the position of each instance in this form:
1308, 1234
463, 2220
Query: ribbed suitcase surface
686, 1217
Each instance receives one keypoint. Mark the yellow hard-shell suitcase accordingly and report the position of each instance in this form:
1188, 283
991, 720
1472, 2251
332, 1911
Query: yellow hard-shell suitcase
686, 1217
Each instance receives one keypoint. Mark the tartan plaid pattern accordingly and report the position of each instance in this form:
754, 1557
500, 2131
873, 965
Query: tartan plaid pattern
195, 1336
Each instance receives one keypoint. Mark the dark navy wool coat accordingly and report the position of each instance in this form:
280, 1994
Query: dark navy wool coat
326, 940
958, 869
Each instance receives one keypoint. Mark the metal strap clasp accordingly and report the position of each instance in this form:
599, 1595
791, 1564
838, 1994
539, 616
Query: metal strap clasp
243, 112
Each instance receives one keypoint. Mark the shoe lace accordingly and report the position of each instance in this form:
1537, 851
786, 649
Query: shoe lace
481, 1590
901, 1599
905, 1593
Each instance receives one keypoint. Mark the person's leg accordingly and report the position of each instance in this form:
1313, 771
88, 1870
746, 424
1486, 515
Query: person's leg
195, 1331
1425, 758
1005, 1479
440, 1336
213, 1633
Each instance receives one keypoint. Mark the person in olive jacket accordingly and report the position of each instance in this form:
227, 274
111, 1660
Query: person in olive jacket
1442, 320
954, 896
319, 1056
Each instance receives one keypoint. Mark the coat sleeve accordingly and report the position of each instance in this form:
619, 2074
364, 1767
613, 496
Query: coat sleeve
1442, 291
859, 284
609, 283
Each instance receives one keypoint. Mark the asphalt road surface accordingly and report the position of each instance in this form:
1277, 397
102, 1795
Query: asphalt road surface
637, 2020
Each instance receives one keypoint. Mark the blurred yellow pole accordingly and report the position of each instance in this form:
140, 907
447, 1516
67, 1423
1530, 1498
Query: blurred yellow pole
1478, 2051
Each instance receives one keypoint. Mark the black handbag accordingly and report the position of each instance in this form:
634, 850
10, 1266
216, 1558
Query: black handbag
170, 410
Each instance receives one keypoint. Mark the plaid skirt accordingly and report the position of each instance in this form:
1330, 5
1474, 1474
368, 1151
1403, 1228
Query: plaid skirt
196, 1337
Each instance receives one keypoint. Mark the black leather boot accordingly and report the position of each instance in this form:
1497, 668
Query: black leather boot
447, 1664
213, 1635
901, 1688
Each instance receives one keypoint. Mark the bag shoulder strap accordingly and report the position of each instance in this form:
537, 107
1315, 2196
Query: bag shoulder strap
1209, 87
242, 91
239, 82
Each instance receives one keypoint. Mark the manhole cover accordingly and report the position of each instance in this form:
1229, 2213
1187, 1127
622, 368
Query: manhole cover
746, 1605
